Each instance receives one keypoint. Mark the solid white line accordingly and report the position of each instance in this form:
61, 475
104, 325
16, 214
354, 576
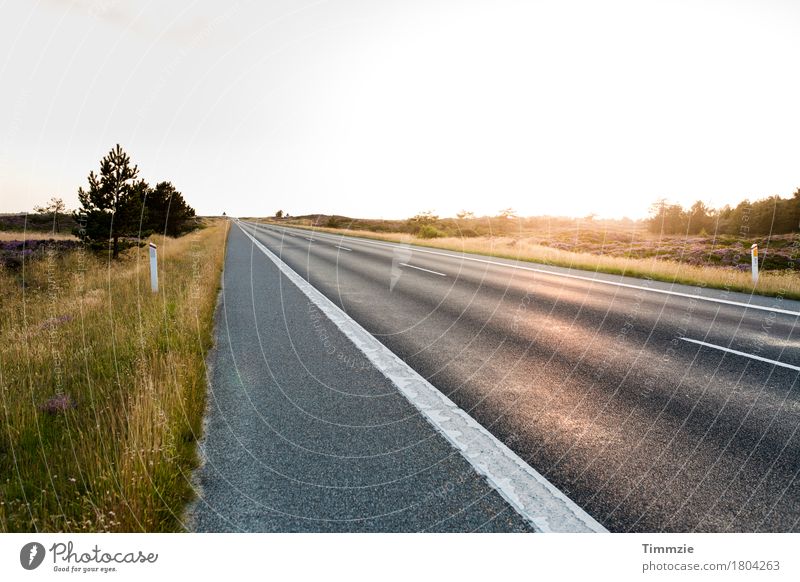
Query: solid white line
589, 279
526, 490
421, 269
738, 353
343, 248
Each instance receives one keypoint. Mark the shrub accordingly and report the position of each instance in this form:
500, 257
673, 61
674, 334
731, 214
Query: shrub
429, 231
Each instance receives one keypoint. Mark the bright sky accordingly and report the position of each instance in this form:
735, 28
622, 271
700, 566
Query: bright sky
385, 108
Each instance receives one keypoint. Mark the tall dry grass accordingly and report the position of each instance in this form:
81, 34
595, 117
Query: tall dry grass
102, 385
784, 283
7, 235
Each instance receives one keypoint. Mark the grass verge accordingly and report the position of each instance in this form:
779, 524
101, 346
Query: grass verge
783, 283
102, 385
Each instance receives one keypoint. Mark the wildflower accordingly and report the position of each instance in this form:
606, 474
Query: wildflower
58, 403
54, 321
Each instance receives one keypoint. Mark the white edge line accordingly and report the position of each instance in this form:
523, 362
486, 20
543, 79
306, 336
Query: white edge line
426, 270
738, 353
582, 278
528, 492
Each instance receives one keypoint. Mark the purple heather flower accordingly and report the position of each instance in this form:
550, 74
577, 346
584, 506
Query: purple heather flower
53, 321
57, 403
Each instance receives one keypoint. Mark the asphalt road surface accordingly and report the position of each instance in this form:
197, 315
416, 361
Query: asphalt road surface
652, 409
304, 434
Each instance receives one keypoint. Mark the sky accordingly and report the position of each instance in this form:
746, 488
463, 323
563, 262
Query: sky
387, 108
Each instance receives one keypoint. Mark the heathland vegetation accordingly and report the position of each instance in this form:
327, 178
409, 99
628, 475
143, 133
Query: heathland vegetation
102, 381
695, 246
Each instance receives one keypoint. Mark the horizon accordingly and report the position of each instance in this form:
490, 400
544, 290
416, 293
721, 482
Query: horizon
497, 215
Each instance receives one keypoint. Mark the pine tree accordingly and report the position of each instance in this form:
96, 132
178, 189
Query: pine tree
168, 212
55, 208
110, 203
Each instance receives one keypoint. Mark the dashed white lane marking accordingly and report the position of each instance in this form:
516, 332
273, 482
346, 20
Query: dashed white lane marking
308, 239
421, 269
343, 248
583, 278
528, 492
738, 353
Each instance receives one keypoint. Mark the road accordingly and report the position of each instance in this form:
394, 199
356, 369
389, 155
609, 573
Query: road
303, 433
597, 382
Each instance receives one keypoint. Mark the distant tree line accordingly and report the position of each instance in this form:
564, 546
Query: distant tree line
119, 205
772, 215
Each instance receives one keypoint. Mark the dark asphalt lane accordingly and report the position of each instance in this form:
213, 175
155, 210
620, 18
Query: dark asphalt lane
591, 383
304, 434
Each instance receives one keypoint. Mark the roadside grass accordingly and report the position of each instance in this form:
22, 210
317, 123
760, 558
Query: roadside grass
783, 282
102, 385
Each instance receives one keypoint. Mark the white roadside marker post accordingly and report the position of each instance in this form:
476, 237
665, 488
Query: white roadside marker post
754, 255
153, 268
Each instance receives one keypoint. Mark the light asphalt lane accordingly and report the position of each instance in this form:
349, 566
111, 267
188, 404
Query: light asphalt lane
757, 302
593, 384
304, 434
738, 320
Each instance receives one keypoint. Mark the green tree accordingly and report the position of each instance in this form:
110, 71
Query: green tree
55, 207
111, 203
700, 218
739, 219
763, 215
422, 220
666, 218
134, 213
792, 213
166, 210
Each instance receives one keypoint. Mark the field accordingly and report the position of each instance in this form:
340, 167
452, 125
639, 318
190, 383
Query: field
33, 222
616, 247
34, 235
102, 383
